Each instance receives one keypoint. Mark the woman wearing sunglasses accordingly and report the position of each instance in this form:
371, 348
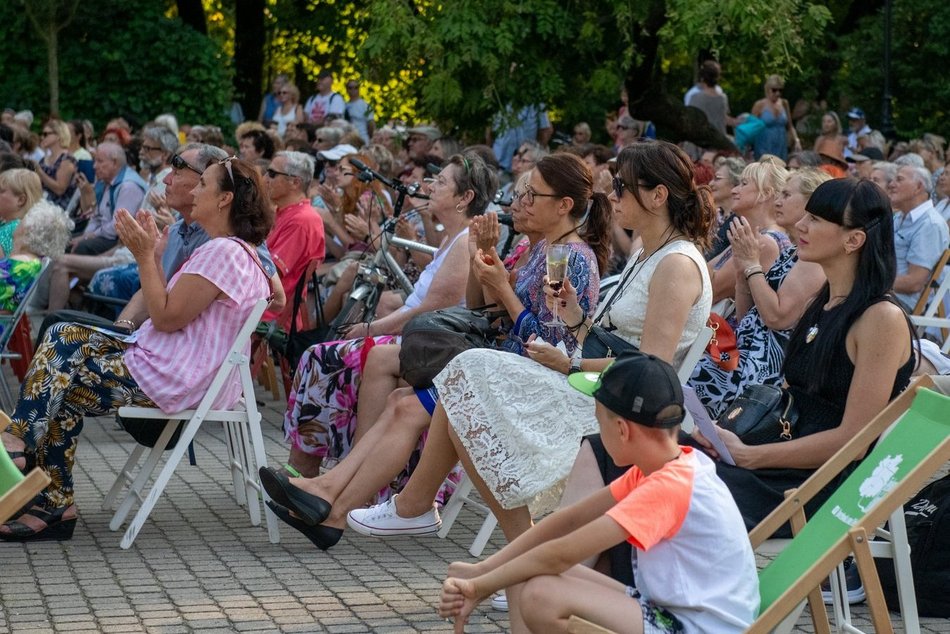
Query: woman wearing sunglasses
78, 371
774, 111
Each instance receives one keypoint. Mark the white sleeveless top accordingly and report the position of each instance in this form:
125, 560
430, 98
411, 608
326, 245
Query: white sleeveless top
628, 311
283, 119
428, 273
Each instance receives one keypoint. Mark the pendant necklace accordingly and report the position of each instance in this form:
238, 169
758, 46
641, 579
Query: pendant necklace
813, 331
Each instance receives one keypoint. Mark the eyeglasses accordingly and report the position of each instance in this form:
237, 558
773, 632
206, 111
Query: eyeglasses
776, 90
272, 173
46, 133
151, 148
623, 127
180, 164
352, 87
527, 196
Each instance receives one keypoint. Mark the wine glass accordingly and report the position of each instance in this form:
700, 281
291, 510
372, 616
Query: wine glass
557, 258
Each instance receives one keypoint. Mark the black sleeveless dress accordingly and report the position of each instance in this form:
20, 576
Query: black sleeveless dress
758, 491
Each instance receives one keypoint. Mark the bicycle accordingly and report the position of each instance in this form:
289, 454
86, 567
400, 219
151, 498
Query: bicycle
375, 274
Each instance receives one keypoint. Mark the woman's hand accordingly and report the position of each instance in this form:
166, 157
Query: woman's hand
405, 229
741, 453
547, 355
140, 234
358, 331
459, 597
566, 298
745, 242
356, 226
490, 271
704, 443
330, 197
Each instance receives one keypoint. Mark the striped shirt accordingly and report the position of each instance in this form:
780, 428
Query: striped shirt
176, 368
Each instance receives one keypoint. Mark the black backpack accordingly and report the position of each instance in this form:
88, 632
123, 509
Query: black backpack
928, 532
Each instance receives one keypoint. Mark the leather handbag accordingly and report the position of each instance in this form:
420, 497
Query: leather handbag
761, 414
602, 344
722, 347
430, 340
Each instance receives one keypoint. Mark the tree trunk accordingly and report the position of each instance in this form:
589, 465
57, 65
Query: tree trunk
649, 99
249, 42
52, 59
192, 13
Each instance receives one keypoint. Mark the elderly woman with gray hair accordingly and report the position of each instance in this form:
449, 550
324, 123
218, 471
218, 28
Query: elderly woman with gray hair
43, 232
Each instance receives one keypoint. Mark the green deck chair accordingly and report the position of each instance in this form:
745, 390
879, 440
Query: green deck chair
15, 488
915, 447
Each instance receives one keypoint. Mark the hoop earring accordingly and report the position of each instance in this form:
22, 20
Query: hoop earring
458, 208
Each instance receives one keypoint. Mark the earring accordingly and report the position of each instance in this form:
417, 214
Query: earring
458, 207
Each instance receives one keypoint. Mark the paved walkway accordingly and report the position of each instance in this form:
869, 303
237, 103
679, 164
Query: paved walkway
199, 566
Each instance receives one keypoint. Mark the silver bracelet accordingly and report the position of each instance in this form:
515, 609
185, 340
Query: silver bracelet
131, 324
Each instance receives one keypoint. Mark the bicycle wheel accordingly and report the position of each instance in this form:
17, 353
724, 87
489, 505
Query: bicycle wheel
358, 308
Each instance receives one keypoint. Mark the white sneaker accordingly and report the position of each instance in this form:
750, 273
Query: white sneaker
382, 520
499, 602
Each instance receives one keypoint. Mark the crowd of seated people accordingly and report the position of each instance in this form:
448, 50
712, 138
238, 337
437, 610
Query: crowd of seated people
821, 271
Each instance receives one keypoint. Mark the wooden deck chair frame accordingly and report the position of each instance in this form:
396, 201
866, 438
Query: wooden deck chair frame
245, 444
10, 323
929, 450
16, 490
463, 490
934, 316
925, 300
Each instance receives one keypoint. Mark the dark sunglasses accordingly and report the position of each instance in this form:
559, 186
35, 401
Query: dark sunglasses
619, 186
151, 148
180, 164
272, 173
46, 133
778, 90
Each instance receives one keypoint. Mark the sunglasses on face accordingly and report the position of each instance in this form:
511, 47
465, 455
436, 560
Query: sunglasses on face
181, 164
151, 148
272, 173
619, 186
776, 90
46, 133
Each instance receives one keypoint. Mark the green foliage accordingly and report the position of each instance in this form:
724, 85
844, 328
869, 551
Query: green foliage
920, 48
117, 58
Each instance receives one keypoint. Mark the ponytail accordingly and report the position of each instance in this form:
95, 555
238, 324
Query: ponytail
696, 218
596, 230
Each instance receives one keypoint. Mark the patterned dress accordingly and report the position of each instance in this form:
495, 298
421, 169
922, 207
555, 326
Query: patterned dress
16, 276
761, 351
6, 236
322, 405
50, 170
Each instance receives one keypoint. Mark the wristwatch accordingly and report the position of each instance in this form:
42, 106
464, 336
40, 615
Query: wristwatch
575, 365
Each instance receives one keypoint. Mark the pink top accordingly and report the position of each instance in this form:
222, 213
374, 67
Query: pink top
175, 369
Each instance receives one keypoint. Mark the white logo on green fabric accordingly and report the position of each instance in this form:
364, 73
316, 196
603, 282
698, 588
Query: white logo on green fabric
881, 480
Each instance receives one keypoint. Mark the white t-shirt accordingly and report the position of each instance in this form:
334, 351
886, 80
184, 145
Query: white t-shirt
360, 114
691, 551
319, 107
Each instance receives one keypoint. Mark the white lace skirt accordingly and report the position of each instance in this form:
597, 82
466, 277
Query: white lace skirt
520, 422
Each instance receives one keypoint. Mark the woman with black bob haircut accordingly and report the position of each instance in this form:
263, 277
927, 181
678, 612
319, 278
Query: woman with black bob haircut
193, 320
850, 354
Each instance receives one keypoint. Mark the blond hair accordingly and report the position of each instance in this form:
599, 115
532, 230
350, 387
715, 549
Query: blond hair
768, 175
23, 182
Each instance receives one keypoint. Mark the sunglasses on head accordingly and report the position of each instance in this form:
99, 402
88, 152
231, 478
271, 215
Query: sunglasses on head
180, 164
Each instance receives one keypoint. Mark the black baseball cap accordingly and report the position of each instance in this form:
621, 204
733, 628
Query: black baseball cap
638, 387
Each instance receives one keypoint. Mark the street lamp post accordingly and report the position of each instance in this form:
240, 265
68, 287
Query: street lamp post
887, 124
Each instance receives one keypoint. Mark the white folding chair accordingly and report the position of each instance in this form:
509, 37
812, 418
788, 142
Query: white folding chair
464, 489
244, 440
10, 323
931, 320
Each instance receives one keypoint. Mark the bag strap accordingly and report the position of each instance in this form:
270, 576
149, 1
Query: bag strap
256, 261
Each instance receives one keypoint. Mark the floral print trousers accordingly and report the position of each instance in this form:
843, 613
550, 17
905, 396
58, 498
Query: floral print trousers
76, 371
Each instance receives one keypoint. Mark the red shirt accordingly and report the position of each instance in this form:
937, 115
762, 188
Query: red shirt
296, 239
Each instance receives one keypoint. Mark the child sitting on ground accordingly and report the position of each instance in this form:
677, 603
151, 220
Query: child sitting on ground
693, 566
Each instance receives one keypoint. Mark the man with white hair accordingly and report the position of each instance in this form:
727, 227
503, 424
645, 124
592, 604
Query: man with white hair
117, 187
298, 234
920, 234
